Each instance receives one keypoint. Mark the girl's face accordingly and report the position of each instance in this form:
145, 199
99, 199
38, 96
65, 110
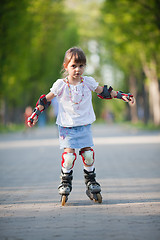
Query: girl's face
74, 69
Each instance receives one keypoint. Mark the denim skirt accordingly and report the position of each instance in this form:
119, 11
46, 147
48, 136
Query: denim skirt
75, 137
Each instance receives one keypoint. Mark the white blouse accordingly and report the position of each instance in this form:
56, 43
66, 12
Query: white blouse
75, 106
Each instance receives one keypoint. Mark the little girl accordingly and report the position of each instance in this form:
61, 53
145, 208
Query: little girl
75, 116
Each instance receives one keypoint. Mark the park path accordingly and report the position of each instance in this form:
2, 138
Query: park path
128, 169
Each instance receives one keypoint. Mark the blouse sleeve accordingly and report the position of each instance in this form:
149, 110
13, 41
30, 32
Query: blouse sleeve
91, 83
57, 87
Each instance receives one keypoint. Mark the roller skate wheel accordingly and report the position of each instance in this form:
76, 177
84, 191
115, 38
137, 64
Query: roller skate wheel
63, 200
99, 197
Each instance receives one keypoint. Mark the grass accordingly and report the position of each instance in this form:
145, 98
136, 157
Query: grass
11, 128
139, 125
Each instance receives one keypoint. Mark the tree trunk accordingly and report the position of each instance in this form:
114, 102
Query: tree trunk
133, 90
154, 93
145, 95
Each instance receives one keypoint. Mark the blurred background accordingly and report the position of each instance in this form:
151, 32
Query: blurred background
121, 40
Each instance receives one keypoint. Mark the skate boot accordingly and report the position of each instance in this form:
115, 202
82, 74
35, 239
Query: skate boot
65, 186
93, 187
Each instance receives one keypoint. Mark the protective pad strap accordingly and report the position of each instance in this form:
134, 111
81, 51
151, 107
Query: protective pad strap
88, 157
35, 115
120, 94
43, 101
68, 160
106, 93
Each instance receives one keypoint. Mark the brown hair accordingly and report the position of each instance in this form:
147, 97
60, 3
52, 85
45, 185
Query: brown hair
78, 55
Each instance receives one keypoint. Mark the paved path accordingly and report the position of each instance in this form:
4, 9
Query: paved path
128, 169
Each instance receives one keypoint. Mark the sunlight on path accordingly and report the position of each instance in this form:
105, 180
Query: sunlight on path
97, 140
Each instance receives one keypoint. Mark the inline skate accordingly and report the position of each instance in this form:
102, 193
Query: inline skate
65, 186
93, 188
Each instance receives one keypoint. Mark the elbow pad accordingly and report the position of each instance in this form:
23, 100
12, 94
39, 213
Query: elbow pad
106, 93
43, 101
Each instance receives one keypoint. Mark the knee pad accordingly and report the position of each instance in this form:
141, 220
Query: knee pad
88, 157
68, 160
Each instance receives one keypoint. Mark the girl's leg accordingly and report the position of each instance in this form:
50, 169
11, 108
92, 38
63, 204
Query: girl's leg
65, 187
93, 187
68, 159
87, 155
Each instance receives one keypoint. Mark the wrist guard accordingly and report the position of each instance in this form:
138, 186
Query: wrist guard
106, 93
35, 115
120, 94
43, 101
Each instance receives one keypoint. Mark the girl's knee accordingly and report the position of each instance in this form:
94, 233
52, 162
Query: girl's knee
85, 149
87, 155
69, 150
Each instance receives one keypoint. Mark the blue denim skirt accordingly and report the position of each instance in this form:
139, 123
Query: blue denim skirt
75, 137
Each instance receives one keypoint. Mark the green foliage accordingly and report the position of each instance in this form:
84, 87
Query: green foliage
12, 128
34, 37
131, 29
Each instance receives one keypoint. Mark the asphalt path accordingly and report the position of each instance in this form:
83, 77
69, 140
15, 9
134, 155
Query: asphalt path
128, 169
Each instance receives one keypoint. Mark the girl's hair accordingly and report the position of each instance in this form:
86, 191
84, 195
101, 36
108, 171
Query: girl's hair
77, 54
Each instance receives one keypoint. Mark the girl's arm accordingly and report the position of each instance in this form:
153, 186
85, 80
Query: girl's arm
99, 90
49, 97
43, 102
115, 94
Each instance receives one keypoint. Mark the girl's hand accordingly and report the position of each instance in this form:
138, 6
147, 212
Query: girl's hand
129, 99
132, 100
34, 117
31, 124
32, 120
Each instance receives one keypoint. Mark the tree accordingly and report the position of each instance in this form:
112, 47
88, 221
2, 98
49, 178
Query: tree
131, 30
34, 37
